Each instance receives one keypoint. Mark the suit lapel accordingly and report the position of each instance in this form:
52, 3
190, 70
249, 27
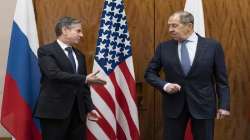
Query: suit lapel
176, 58
200, 50
80, 61
62, 57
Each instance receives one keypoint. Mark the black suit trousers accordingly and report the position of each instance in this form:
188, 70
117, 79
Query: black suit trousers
174, 128
71, 128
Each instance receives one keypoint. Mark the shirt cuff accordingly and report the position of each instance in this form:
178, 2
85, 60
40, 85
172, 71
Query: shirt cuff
165, 86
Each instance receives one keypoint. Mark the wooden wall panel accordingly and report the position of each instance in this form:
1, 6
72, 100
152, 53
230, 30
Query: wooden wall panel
89, 11
140, 16
227, 21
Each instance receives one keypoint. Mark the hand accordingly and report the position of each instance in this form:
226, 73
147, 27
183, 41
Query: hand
172, 88
93, 115
221, 113
93, 79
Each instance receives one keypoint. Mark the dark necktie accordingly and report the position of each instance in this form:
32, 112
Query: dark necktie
185, 61
71, 57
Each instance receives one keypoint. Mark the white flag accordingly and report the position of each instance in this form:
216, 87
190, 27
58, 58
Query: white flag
195, 8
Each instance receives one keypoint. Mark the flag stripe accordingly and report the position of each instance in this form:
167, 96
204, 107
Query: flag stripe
120, 134
104, 111
121, 119
22, 79
25, 19
106, 127
109, 87
16, 114
101, 91
129, 79
98, 103
124, 106
90, 136
195, 7
129, 62
125, 90
97, 132
109, 90
23, 66
123, 123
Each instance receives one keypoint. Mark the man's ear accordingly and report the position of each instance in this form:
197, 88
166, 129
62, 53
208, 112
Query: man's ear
190, 25
64, 30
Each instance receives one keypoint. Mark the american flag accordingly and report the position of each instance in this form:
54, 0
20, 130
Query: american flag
116, 101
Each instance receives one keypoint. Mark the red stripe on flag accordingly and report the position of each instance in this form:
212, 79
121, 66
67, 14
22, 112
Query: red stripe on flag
188, 133
120, 134
90, 136
16, 114
106, 127
124, 106
103, 123
129, 79
105, 95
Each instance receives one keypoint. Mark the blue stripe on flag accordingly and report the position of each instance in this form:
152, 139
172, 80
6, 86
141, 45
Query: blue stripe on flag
23, 66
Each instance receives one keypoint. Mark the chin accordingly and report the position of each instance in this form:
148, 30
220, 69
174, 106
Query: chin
175, 38
76, 42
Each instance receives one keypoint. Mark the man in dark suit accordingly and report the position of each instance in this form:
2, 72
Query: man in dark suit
195, 76
64, 103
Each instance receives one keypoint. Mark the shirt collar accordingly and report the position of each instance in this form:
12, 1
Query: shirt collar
193, 37
62, 45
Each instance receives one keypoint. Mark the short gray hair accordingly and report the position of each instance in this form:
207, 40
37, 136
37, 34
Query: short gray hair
65, 22
185, 17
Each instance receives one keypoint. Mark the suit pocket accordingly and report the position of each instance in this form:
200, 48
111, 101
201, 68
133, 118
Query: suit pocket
207, 94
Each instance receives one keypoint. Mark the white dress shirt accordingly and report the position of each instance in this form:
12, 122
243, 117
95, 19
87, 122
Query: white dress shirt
191, 44
64, 46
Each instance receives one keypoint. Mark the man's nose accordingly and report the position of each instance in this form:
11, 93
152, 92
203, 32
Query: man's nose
81, 34
170, 29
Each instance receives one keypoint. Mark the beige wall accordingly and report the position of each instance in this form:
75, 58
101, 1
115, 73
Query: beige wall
7, 8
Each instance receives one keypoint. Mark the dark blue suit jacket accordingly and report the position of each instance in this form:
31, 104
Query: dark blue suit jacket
205, 82
60, 85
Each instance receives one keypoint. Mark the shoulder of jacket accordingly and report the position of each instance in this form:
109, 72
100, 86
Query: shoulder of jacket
169, 43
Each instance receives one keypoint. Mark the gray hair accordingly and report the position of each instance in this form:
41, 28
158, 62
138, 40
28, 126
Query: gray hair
185, 17
65, 22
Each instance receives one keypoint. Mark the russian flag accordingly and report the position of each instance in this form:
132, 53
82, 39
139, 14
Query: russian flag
22, 80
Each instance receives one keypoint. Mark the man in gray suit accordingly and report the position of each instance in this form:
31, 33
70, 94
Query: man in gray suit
195, 76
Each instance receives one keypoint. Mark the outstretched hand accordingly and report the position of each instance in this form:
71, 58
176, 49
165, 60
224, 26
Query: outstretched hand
92, 78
